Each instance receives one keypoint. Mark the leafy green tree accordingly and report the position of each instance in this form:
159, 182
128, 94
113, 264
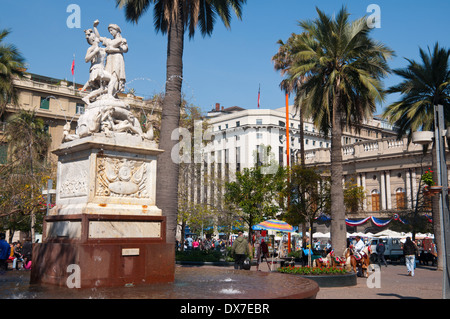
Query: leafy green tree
174, 18
308, 195
426, 83
27, 169
343, 70
354, 196
11, 65
256, 194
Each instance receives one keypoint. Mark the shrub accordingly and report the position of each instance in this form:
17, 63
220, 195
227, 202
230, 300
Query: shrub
312, 271
198, 255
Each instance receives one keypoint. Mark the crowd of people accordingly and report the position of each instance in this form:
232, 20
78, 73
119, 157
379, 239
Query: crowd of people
16, 253
201, 244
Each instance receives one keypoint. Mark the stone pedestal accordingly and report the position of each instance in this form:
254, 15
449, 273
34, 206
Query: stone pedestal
105, 229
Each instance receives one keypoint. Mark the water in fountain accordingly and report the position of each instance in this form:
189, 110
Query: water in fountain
190, 283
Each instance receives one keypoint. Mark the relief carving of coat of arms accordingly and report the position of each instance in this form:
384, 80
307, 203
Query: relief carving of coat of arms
121, 178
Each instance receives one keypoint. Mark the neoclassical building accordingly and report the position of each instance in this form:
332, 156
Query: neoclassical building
389, 169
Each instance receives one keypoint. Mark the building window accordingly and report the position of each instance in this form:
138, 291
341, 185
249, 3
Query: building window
80, 108
220, 127
259, 136
3, 153
280, 156
45, 104
258, 121
238, 159
375, 200
281, 123
238, 123
400, 198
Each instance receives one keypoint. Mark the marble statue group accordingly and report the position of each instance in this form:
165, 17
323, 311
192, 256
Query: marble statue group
104, 112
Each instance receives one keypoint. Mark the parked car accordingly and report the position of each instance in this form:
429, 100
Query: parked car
393, 249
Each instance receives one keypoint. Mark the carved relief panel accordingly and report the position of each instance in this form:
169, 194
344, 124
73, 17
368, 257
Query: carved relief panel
119, 177
74, 179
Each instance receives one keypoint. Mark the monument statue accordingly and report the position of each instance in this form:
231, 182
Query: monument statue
105, 221
104, 112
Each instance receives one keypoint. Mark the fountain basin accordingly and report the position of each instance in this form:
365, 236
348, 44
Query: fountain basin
190, 283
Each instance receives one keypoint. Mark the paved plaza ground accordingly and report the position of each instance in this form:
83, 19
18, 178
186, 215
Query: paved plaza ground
393, 284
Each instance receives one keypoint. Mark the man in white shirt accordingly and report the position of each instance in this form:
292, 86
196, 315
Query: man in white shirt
359, 247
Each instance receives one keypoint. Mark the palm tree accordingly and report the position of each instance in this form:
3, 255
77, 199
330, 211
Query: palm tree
173, 17
425, 84
11, 65
283, 60
343, 67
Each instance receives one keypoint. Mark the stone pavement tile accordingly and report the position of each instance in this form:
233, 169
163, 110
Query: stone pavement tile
393, 283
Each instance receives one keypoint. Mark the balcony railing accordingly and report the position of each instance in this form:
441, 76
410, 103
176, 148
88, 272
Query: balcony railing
363, 149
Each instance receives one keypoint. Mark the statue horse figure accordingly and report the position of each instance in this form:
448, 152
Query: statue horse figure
361, 263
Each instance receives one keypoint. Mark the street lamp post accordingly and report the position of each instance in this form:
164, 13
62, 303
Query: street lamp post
439, 125
426, 137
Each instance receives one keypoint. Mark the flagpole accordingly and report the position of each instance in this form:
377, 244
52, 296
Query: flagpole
287, 131
73, 73
259, 94
288, 155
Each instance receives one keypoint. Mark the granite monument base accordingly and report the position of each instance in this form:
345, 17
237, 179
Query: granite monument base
102, 264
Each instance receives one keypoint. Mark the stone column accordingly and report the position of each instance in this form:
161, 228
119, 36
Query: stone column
408, 188
383, 191
414, 184
363, 184
388, 190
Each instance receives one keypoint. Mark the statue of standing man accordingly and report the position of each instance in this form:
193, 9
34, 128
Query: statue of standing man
115, 63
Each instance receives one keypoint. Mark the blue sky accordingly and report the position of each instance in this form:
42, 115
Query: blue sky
226, 68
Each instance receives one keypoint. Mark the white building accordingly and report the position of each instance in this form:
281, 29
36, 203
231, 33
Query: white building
238, 134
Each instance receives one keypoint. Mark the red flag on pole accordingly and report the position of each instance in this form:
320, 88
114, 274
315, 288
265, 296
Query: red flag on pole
73, 67
259, 95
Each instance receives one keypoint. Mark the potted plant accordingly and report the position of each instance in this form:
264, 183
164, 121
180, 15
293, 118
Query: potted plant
431, 187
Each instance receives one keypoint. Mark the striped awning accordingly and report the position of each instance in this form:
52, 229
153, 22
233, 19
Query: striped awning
274, 224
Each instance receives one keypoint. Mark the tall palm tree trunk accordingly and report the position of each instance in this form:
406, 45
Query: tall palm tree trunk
167, 169
338, 228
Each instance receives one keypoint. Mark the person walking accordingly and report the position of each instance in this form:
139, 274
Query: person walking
380, 249
18, 257
5, 251
189, 242
409, 251
240, 250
